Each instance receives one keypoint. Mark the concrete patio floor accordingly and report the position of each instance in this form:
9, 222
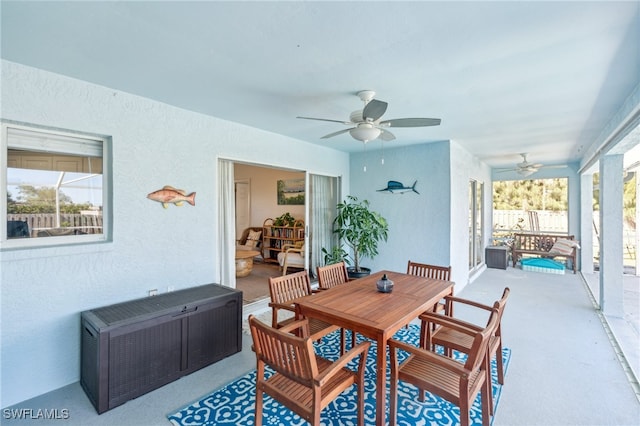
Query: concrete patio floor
625, 330
564, 369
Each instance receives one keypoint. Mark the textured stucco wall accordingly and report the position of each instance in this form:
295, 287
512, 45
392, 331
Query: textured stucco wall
154, 144
418, 223
465, 167
430, 227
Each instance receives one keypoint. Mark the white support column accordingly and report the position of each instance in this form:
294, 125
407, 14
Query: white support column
637, 222
586, 223
611, 244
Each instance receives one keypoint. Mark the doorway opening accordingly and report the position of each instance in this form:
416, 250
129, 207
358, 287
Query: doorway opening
262, 193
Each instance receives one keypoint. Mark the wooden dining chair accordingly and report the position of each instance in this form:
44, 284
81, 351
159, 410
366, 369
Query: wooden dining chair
283, 290
303, 382
431, 271
452, 339
330, 276
456, 382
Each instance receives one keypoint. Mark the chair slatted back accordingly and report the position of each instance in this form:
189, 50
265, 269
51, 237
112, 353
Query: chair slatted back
288, 287
429, 271
478, 351
500, 305
332, 275
289, 355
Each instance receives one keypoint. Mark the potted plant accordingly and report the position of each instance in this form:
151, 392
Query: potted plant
284, 220
336, 255
361, 229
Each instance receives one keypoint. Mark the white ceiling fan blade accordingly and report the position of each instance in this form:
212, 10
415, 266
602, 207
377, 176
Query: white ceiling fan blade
556, 166
373, 110
326, 119
533, 166
339, 132
386, 135
411, 122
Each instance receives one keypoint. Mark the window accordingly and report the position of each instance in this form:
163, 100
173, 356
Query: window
55, 186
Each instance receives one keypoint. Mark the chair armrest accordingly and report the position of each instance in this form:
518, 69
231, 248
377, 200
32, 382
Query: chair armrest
453, 323
282, 306
442, 361
430, 317
302, 324
453, 299
360, 348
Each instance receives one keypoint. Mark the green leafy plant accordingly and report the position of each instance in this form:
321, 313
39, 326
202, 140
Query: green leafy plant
360, 228
336, 255
284, 220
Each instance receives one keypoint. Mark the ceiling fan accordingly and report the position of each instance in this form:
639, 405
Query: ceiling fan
525, 168
366, 124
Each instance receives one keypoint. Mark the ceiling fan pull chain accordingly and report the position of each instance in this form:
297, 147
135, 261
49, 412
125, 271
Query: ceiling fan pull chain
364, 150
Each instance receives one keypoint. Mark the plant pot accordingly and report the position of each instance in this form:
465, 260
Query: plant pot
351, 271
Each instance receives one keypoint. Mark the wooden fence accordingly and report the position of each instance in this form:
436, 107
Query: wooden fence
553, 222
44, 224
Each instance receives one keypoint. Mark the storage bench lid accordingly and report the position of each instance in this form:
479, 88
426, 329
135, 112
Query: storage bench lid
148, 306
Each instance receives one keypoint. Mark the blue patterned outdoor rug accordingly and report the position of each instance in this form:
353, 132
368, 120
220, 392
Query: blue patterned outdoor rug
234, 404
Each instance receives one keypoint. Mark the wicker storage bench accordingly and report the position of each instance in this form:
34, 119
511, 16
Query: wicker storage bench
131, 348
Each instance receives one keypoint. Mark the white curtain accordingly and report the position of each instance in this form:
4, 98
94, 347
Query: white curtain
226, 224
322, 210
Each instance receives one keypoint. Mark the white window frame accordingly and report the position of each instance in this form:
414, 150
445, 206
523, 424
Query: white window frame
60, 141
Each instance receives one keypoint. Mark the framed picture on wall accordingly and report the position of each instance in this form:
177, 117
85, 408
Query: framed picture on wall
291, 192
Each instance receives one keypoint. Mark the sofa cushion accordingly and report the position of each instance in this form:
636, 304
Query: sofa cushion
564, 246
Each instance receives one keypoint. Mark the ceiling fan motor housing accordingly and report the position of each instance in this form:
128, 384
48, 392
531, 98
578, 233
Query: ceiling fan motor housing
356, 117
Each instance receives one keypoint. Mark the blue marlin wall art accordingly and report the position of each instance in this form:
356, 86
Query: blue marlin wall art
395, 187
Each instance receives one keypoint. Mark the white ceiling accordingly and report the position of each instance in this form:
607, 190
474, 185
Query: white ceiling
504, 77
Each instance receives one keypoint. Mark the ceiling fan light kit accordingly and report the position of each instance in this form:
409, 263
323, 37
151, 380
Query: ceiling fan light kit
526, 173
365, 132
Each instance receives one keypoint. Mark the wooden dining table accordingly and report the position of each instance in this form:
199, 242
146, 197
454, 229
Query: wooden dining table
358, 306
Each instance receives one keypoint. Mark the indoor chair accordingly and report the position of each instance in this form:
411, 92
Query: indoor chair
251, 239
291, 256
303, 382
454, 381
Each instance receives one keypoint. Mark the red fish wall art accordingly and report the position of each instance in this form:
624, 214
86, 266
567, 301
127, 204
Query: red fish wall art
169, 194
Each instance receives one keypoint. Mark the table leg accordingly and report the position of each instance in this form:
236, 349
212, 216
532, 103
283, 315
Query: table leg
381, 382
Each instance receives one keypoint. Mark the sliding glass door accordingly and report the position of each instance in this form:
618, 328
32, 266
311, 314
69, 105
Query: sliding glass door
320, 211
476, 222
